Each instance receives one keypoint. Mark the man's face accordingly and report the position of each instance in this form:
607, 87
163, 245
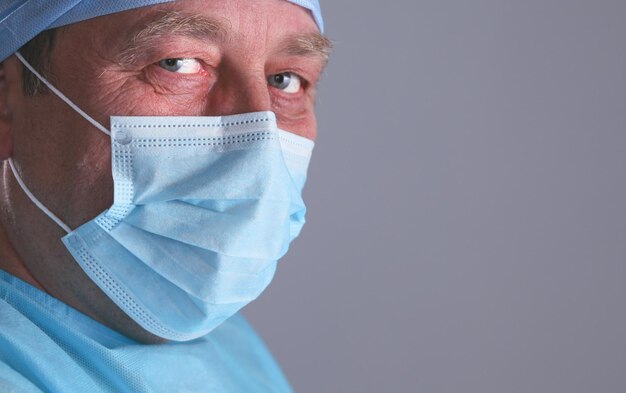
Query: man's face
186, 58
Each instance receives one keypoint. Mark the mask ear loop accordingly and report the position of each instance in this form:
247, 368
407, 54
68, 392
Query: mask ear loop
62, 96
36, 201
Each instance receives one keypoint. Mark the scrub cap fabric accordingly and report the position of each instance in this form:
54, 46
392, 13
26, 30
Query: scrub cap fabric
22, 20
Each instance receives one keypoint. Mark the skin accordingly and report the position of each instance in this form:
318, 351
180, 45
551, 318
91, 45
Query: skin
65, 161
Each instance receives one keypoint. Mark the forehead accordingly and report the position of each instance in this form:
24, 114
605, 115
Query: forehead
251, 21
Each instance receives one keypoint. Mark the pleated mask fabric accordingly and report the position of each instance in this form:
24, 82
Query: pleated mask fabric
203, 209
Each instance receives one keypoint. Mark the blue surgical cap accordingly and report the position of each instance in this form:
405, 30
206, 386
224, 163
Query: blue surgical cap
22, 20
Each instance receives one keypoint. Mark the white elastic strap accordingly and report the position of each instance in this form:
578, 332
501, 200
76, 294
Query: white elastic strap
62, 96
36, 201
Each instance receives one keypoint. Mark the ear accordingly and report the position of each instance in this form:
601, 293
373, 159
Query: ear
6, 143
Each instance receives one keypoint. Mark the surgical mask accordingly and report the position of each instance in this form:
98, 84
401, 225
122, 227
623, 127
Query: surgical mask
203, 208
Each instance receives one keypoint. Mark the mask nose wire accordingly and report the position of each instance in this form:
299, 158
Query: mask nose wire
36, 201
62, 96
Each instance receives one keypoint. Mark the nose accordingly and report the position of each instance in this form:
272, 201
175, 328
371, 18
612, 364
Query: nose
237, 92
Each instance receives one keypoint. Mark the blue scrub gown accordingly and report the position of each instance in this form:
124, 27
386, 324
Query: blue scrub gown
47, 346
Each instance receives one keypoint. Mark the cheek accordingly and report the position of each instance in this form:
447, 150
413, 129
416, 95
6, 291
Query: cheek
94, 192
297, 118
182, 91
305, 127
141, 94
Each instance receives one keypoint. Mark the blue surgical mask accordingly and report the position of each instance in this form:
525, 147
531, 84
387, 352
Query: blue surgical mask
203, 208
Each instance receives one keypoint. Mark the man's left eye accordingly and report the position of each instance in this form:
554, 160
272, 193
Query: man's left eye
287, 82
181, 66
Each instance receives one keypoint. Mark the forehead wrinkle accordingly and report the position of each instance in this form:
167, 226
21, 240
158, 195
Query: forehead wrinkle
170, 24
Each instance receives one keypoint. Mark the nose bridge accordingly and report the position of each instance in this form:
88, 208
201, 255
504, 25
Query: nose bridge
239, 91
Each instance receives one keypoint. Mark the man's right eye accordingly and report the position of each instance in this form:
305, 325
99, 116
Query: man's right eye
181, 65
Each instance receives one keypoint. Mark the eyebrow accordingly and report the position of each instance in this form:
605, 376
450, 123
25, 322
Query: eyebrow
168, 24
174, 23
312, 44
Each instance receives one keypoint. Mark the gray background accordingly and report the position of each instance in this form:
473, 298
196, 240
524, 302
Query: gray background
467, 221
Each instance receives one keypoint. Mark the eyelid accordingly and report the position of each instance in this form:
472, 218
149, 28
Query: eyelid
169, 46
308, 71
298, 75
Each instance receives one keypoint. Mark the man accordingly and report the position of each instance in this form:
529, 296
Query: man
153, 157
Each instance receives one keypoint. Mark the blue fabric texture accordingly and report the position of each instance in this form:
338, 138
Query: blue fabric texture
46, 346
203, 209
21, 20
